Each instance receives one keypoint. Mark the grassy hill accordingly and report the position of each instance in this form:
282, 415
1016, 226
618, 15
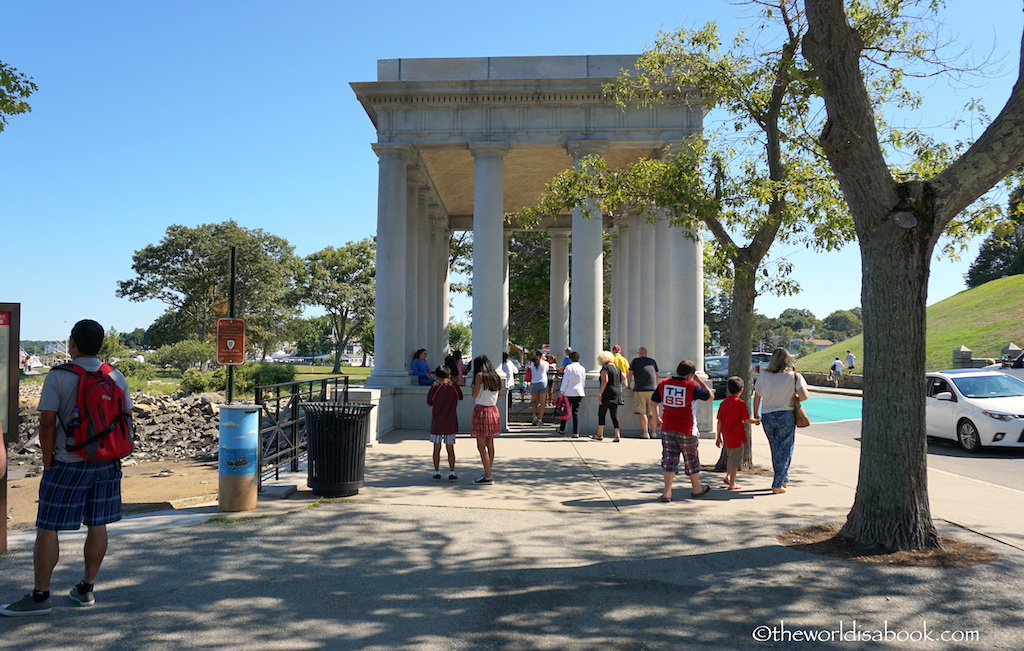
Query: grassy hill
984, 319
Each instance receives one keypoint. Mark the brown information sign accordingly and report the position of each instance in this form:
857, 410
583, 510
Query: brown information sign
230, 342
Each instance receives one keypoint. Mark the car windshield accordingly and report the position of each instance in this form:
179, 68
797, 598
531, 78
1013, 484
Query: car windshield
989, 386
713, 364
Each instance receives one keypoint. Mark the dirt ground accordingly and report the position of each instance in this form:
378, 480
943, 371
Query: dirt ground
153, 486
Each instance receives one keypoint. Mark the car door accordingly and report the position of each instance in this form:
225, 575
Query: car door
940, 415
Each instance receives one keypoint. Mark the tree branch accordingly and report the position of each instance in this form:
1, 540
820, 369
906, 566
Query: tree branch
850, 136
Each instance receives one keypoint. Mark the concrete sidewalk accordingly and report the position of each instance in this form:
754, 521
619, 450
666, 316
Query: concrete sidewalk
569, 549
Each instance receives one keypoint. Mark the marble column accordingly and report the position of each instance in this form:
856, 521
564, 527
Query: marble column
669, 284
614, 326
689, 305
506, 236
422, 276
414, 254
635, 281
558, 324
389, 324
586, 324
490, 322
650, 287
627, 338
438, 293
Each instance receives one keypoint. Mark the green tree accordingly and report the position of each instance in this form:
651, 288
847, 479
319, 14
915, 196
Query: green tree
341, 280
15, 87
529, 288
460, 336
184, 355
1002, 252
754, 182
460, 261
168, 328
900, 213
113, 347
134, 340
189, 270
314, 337
842, 324
364, 334
798, 319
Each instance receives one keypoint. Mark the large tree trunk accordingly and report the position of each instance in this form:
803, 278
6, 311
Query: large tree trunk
891, 508
741, 328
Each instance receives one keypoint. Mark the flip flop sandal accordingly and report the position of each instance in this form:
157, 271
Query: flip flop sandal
704, 489
666, 499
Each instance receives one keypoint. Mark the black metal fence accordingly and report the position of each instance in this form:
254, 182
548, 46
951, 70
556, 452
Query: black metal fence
282, 423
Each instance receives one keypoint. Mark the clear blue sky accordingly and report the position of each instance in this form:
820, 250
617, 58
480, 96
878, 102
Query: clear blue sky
191, 112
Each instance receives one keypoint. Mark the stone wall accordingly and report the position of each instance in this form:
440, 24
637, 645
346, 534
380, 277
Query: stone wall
166, 427
845, 382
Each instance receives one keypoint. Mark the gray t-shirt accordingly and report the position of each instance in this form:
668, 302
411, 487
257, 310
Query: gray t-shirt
60, 390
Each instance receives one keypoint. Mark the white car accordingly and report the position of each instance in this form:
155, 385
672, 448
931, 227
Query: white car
1014, 367
975, 408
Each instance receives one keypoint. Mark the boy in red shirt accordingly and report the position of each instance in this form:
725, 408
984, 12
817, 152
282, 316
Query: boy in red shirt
673, 414
729, 428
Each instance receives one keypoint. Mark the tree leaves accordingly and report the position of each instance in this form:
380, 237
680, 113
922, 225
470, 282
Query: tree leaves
14, 88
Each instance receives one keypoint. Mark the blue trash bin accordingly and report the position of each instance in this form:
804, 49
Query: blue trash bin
239, 457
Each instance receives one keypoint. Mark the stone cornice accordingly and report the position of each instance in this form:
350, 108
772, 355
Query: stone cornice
501, 93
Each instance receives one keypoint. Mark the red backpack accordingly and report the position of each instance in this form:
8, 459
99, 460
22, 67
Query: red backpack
101, 426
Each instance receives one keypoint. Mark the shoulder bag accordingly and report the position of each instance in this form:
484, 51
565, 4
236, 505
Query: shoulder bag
798, 409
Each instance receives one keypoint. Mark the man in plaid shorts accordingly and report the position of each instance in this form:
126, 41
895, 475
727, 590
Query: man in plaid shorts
673, 413
73, 491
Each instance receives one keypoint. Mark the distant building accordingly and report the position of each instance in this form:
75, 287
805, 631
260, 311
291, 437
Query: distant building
56, 348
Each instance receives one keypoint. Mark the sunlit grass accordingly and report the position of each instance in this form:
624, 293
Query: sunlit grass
983, 319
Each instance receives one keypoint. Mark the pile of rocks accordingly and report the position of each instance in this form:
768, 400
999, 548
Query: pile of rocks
166, 427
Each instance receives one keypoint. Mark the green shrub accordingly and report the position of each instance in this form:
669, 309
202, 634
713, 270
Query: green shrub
135, 369
196, 381
250, 376
247, 378
264, 374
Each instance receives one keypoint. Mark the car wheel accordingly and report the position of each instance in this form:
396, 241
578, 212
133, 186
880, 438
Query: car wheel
967, 436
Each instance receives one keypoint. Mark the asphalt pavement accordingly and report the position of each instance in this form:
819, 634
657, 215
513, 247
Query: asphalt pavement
569, 549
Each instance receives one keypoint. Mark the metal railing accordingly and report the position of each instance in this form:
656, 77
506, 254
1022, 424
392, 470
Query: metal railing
282, 423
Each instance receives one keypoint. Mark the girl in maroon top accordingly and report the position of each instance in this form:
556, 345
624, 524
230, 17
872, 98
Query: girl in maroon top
443, 398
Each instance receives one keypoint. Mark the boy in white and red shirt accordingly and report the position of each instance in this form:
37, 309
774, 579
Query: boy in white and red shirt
673, 414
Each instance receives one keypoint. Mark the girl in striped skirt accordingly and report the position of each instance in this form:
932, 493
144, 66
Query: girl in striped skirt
486, 418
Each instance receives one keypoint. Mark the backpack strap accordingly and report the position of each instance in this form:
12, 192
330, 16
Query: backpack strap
79, 371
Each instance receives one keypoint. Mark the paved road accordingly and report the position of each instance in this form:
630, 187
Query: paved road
1003, 467
569, 550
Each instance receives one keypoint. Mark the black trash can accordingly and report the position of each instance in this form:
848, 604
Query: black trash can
336, 438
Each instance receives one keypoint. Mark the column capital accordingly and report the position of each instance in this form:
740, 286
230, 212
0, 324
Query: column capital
488, 149
582, 149
392, 150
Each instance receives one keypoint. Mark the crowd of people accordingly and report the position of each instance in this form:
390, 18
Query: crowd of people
665, 407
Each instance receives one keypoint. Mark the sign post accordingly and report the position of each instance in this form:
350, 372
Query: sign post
10, 376
230, 345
